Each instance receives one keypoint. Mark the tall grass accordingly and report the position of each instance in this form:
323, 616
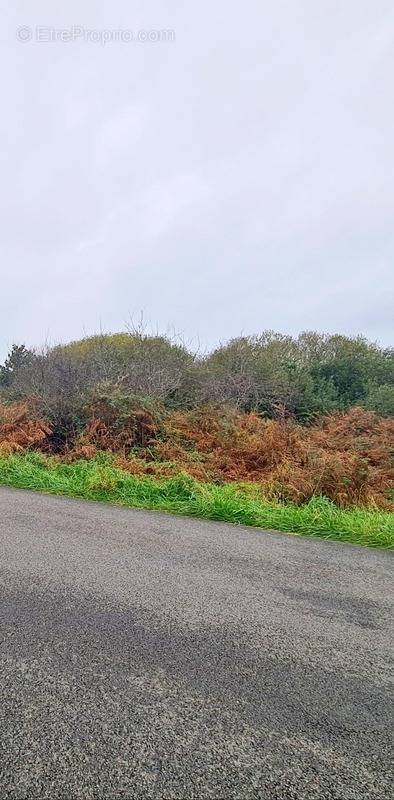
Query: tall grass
98, 479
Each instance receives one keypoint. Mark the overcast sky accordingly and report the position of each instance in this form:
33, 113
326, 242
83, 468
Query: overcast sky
236, 179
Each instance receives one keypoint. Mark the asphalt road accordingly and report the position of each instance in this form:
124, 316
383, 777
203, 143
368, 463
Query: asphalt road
148, 656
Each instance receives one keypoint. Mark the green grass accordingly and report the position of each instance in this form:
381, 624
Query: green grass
100, 480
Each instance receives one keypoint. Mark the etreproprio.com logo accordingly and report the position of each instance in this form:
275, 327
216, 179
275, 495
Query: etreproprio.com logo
78, 33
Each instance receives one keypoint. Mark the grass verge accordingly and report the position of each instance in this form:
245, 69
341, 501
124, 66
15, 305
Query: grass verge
99, 479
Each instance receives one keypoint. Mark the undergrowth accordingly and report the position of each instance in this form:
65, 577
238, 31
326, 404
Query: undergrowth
347, 458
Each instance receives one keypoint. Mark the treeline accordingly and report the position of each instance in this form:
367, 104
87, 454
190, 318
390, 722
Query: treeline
275, 375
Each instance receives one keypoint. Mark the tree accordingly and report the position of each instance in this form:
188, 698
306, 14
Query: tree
381, 400
18, 357
347, 366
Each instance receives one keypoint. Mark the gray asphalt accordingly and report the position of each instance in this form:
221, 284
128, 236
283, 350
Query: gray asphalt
148, 656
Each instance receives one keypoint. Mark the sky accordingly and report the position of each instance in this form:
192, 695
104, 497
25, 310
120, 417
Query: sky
218, 168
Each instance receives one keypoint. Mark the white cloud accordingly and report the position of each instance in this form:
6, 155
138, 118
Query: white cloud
118, 135
166, 204
237, 179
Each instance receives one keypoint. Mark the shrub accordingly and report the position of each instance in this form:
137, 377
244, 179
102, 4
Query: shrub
21, 427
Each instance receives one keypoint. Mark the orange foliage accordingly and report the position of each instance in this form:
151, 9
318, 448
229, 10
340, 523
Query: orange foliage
106, 432
346, 457
21, 428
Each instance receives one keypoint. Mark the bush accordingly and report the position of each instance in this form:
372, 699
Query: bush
274, 375
381, 400
232, 415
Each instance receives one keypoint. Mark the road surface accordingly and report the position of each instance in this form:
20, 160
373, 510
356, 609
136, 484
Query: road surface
149, 656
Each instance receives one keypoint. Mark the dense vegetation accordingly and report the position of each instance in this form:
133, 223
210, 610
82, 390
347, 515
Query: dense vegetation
288, 419
272, 374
